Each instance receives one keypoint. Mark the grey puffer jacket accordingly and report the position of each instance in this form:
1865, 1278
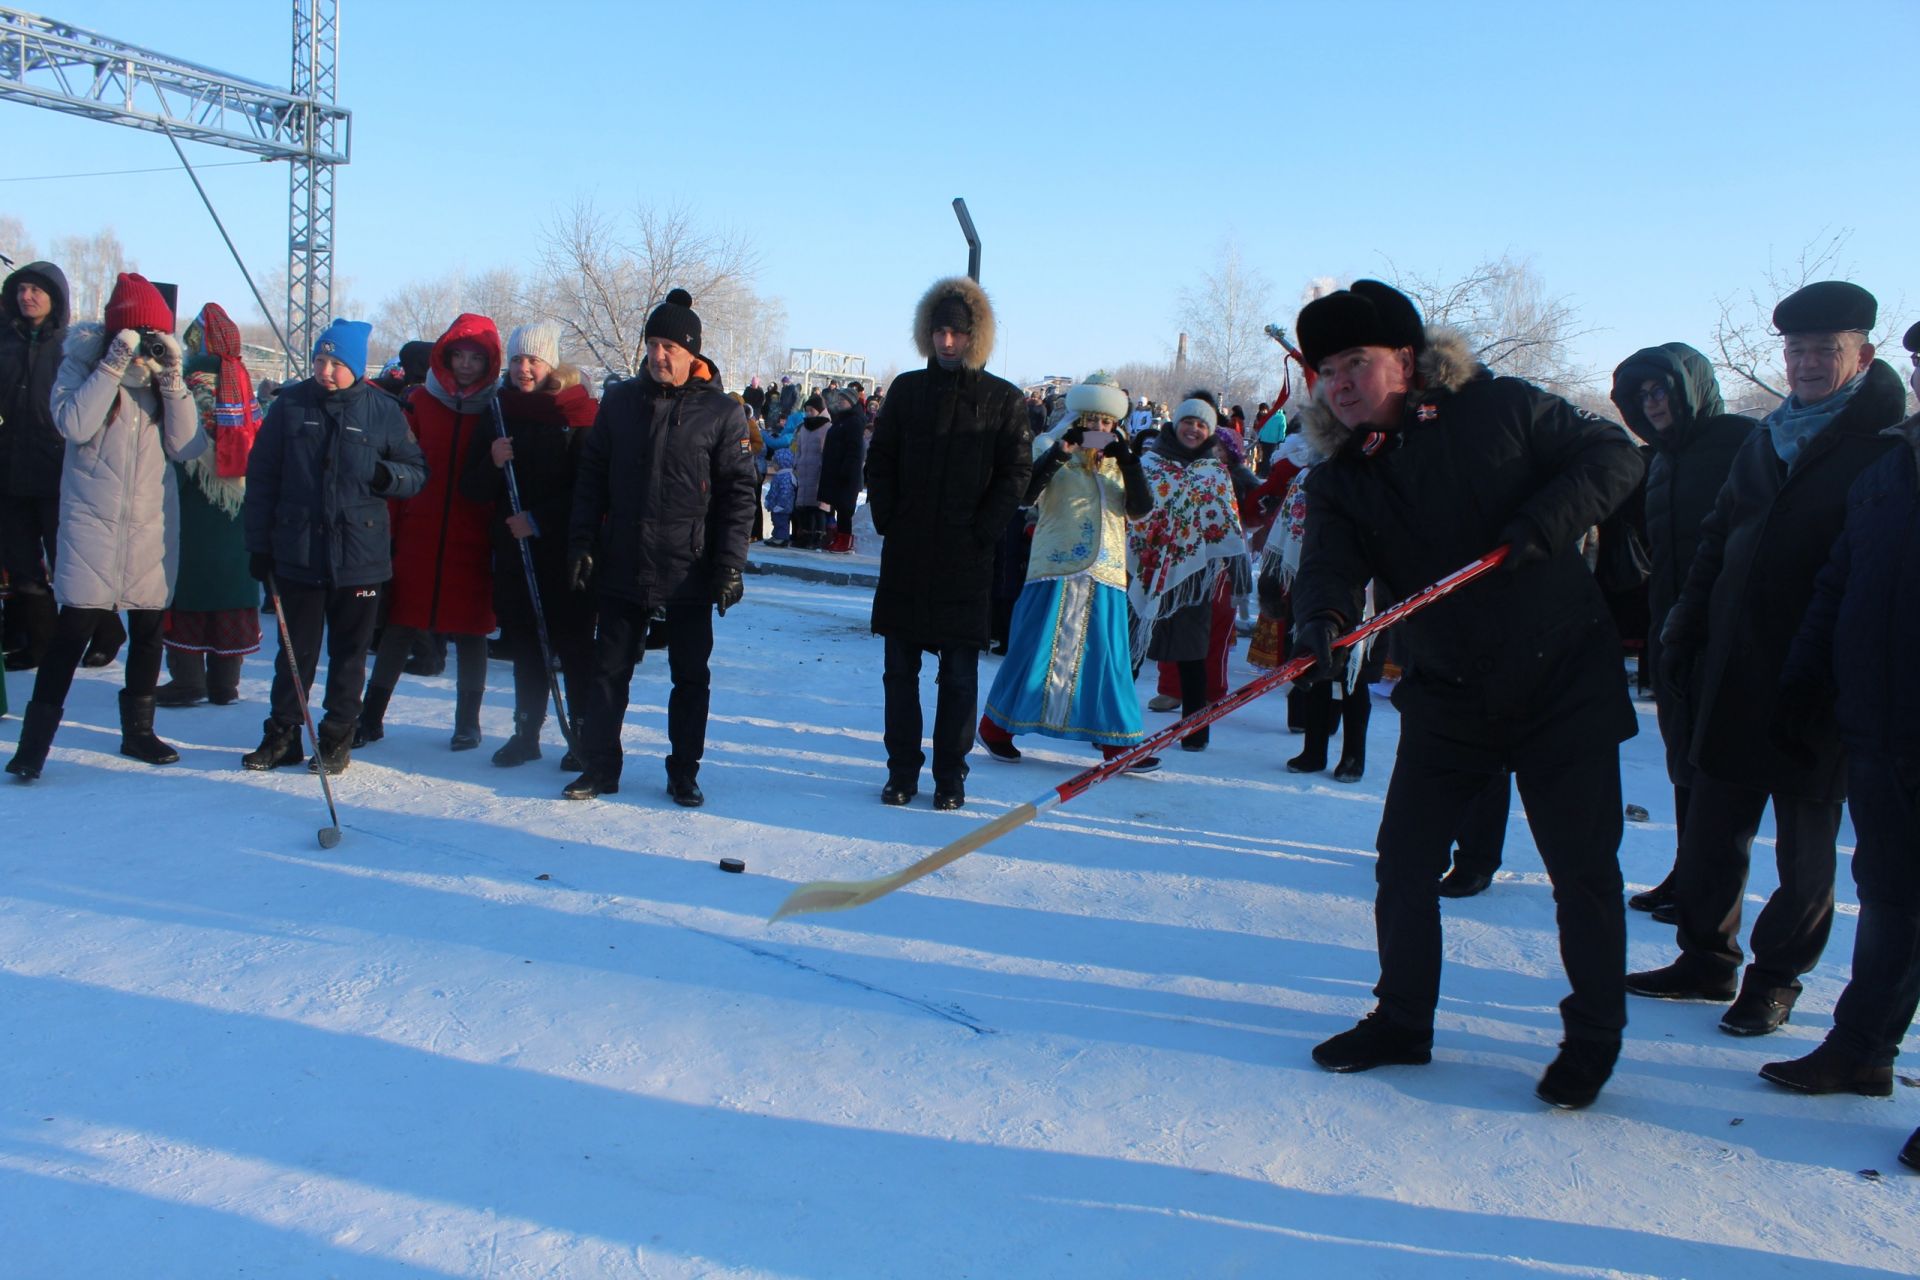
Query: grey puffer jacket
119, 514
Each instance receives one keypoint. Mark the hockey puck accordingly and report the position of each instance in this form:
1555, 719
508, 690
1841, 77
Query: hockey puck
734, 865
1636, 814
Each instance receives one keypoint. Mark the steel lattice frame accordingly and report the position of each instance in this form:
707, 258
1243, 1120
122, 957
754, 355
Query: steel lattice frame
52, 64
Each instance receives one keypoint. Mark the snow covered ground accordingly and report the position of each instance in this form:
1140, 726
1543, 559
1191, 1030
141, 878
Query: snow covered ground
497, 1034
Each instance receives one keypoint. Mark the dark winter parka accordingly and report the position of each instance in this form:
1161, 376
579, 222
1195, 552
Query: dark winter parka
664, 491
947, 467
1862, 627
310, 497
1520, 666
442, 540
1688, 463
1765, 541
31, 448
841, 458
548, 425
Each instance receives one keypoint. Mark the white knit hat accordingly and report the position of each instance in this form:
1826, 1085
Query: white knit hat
1099, 393
541, 341
1198, 408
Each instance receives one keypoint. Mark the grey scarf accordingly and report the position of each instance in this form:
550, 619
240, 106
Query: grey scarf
475, 401
1793, 424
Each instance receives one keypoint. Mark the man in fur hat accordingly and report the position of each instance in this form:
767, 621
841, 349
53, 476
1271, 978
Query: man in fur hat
1726, 641
1431, 462
948, 464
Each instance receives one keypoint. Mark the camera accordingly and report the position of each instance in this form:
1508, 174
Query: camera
153, 345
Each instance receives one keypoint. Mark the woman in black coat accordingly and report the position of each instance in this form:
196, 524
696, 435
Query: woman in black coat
840, 464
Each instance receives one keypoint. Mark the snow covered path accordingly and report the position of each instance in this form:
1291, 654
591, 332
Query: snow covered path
497, 1034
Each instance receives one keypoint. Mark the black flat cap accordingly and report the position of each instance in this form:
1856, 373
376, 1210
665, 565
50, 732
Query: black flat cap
1826, 306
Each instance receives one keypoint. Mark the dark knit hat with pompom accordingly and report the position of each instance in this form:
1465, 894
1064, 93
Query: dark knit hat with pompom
675, 321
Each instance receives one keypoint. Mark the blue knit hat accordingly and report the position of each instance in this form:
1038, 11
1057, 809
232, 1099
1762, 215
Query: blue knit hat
345, 341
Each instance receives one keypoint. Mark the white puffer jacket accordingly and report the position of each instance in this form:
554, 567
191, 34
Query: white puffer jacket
119, 514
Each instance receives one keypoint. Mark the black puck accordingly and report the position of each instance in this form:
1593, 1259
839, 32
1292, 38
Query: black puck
734, 865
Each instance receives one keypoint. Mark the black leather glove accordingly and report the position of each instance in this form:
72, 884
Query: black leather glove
1074, 435
382, 478
1119, 450
1314, 638
727, 590
579, 571
1524, 544
1797, 709
1676, 666
260, 565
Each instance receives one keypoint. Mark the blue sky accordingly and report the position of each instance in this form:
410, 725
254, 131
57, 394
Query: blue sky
1648, 157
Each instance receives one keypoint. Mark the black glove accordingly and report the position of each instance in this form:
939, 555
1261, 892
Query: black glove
1524, 542
727, 590
382, 478
1314, 638
1676, 666
579, 571
1119, 450
1074, 435
260, 565
1797, 709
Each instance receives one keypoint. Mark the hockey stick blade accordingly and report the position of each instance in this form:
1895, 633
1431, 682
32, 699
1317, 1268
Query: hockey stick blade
842, 895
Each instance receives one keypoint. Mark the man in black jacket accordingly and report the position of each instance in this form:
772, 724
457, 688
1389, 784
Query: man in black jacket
1670, 398
1726, 641
330, 454
33, 324
947, 467
1432, 462
663, 500
1853, 658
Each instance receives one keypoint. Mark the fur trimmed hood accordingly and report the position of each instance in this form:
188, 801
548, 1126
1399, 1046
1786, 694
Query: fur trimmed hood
976, 300
1447, 365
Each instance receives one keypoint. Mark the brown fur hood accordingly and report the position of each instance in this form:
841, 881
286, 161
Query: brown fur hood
1446, 365
975, 297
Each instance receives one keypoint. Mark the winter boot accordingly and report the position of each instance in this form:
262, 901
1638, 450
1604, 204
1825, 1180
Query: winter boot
1355, 710
106, 642
1831, 1070
1574, 1078
1376, 1042
189, 683
1319, 712
36, 735
842, 543
427, 656
571, 762
335, 752
136, 731
373, 714
524, 745
280, 746
223, 678
38, 614
466, 719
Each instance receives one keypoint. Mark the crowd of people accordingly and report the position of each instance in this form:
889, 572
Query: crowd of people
476, 486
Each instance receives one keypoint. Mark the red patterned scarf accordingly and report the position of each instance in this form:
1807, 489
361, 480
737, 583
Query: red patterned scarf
236, 414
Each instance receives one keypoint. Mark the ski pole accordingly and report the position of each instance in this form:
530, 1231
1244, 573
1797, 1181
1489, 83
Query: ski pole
840, 895
329, 836
533, 595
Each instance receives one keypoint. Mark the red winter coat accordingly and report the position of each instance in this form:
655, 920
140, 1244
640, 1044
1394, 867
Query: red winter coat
443, 549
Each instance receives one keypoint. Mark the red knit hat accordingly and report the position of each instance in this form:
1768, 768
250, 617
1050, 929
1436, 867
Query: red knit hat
136, 304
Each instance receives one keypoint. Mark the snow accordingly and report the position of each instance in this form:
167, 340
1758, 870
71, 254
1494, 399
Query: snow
495, 1033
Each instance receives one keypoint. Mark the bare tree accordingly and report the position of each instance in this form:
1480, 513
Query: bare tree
1513, 324
1153, 379
15, 243
91, 264
1226, 314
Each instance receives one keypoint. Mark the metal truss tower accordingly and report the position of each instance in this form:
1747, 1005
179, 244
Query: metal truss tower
51, 64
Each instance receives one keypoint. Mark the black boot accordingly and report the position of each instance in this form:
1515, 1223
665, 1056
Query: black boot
189, 683
1355, 710
279, 747
108, 636
335, 752
38, 614
136, 731
570, 762
524, 745
36, 735
373, 715
1319, 712
1574, 1078
223, 678
466, 719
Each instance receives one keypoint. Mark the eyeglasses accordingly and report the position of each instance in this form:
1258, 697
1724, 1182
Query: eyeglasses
1653, 395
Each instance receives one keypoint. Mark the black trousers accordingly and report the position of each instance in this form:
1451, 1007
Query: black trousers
1573, 809
348, 615
956, 711
1875, 1010
1482, 836
29, 537
619, 643
573, 649
1711, 881
74, 631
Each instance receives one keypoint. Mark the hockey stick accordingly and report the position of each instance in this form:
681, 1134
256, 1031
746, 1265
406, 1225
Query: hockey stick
839, 895
329, 836
533, 595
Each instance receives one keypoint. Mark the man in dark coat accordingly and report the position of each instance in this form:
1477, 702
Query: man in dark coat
329, 456
1857, 642
947, 467
1671, 399
33, 325
1432, 462
663, 498
1726, 640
